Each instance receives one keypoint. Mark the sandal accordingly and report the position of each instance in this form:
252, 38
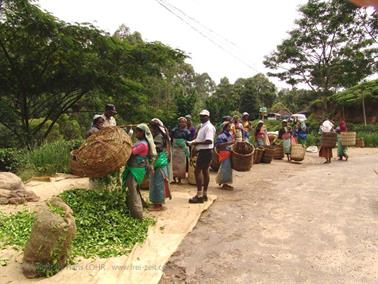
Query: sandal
156, 208
196, 199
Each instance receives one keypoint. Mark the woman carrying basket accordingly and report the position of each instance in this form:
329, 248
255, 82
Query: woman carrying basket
341, 150
326, 152
180, 136
285, 135
143, 155
159, 181
222, 144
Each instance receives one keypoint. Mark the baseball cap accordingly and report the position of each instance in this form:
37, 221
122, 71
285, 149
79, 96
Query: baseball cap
205, 112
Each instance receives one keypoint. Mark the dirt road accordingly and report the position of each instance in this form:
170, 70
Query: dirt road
288, 223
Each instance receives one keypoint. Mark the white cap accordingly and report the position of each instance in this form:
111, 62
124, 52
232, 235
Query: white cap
205, 112
245, 113
96, 116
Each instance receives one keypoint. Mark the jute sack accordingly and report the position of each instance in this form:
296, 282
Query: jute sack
48, 247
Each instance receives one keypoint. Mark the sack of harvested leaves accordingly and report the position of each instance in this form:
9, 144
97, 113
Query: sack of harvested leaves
48, 247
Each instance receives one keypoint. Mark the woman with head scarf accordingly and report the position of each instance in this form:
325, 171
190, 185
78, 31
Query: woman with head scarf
159, 181
237, 129
180, 136
223, 145
247, 126
300, 132
326, 152
341, 150
143, 155
261, 135
285, 134
97, 124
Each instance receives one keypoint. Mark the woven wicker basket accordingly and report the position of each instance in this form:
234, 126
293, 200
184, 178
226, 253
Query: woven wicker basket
268, 155
102, 153
215, 164
297, 152
278, 152
348, 138
360, 142
242, 162
328, 139
192, 166
259, 153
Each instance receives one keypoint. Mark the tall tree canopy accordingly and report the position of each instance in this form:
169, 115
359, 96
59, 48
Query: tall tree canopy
49, 73
333, 46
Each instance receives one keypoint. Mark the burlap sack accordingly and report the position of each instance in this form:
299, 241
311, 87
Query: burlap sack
48, 247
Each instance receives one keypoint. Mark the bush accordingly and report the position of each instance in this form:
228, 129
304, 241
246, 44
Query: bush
372, 128
48, 159
312, 140
10, 159
370, 139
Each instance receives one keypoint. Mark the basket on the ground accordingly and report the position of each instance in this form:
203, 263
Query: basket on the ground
242, 160
278, 152
102, 153
268, 155
348, 138
192, 166
328, 139
360, 142
215, 164
297, 152
259, 152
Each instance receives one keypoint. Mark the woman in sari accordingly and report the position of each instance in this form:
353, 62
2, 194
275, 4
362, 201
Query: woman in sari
261, 135
342, 151
222, 144
285, 135
143, 155
247, 126
159, 181
180, 136
326, 152
300, 132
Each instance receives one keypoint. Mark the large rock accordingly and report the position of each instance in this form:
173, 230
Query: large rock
12, 190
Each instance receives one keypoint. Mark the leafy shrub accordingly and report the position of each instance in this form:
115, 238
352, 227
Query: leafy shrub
370, 139
47, 159
10, 159
370, 128
313, 139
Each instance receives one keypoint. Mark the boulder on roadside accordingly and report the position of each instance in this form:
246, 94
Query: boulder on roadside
12, 190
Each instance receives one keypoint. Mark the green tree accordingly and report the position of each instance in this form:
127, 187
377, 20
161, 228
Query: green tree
331, 47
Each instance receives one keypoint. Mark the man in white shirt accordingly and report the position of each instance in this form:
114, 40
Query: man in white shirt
108, 115
204, 144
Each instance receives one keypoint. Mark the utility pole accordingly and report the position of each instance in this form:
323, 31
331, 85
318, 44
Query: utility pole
363, 108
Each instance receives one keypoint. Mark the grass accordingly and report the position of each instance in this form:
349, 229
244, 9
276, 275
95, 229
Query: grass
47, 159
104, 225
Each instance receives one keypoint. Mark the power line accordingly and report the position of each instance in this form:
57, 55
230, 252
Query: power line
202, 25
205, 36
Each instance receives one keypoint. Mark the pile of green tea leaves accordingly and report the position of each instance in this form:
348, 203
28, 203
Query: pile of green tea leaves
104, 225
15, 228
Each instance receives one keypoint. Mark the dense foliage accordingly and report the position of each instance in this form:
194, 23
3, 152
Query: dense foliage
332, 46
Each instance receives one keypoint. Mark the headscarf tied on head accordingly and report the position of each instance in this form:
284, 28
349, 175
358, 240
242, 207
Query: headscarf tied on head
149, 138
343, 126
327, 126
162, 127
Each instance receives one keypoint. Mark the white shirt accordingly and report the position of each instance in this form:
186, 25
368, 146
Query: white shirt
206, 132
109, 121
